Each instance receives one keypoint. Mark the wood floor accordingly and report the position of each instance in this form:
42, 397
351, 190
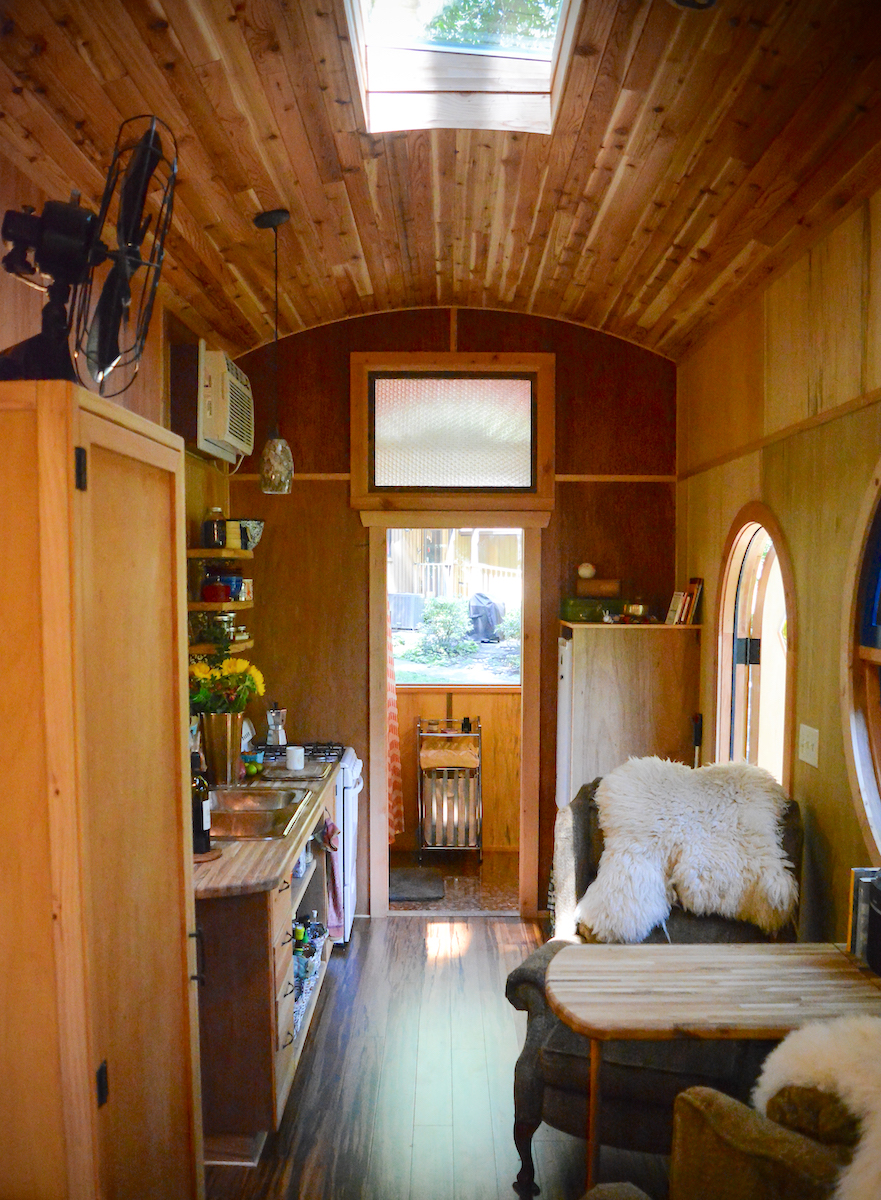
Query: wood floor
404, 1090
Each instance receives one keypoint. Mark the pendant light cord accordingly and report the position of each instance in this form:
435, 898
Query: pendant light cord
274, 432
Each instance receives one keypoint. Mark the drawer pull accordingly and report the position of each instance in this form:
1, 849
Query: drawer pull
285, 885
288, 988
288, 937
199, 977
288, 1038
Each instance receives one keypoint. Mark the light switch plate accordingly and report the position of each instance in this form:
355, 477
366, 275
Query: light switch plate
809, 745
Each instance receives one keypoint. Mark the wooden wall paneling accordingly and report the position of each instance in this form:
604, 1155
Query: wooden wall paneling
720, 390
207, 486
838, 312
836, 462
873, 299
789, 396
309, 620
499, 713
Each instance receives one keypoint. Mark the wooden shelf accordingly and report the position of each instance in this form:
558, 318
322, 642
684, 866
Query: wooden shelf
210, 648
218, 605
220, 555
870, 654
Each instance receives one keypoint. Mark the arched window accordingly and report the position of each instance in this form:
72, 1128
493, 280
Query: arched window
755, 648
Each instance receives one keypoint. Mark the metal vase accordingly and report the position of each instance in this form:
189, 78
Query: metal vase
222, 744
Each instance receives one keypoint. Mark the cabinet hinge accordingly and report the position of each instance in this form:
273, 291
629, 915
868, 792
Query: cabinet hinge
80, 468
102, 1085
747, 652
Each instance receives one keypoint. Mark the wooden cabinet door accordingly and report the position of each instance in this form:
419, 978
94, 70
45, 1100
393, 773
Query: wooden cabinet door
134, 810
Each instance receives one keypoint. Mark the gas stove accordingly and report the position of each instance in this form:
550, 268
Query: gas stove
318, 752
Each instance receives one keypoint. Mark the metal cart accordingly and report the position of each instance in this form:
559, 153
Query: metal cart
449, 790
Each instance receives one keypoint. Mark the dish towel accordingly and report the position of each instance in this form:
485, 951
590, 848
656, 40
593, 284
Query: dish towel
330, 841
395, 788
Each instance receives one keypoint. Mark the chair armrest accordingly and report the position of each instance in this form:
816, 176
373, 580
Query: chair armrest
525, 986
724, 1148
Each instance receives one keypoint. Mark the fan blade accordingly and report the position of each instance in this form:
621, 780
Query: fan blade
133, 194
102, 347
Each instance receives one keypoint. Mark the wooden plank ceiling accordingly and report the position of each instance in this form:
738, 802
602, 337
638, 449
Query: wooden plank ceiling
695, 154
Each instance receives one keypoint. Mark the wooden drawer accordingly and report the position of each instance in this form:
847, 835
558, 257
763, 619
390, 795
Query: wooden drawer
280, 905
282, 956
285, 1023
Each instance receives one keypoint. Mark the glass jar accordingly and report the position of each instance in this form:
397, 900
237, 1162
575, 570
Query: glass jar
214, 529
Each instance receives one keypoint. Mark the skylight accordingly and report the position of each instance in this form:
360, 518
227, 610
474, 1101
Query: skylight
461, 64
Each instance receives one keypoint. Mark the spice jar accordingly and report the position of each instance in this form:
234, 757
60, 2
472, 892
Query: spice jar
214, 529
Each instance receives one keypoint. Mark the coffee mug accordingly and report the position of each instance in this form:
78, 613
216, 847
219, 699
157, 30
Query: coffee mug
295, 758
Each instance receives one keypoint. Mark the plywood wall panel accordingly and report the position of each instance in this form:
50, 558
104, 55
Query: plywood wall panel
789, 395
838, 305
723, 382
873, 296
815, 483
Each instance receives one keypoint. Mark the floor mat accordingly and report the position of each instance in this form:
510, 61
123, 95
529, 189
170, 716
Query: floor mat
415, 883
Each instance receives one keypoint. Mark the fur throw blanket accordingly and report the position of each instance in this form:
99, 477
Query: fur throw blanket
709, 838
842, 1057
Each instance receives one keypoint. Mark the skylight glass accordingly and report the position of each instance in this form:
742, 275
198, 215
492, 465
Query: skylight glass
522, 28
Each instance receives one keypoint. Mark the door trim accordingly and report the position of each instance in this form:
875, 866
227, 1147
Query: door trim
530, 710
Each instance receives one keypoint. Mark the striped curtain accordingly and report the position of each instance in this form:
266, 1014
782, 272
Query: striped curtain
395, 788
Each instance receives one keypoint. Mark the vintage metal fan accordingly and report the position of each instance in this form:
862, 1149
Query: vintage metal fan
62, 253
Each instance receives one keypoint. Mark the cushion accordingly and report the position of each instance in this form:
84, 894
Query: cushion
816, 1113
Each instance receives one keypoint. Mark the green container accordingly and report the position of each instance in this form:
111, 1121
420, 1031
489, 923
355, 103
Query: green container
574, 608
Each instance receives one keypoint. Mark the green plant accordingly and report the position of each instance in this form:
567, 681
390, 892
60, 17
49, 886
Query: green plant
445, 632
509, 629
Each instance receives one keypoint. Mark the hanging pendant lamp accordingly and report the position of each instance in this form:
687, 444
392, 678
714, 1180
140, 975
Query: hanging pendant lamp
276, 461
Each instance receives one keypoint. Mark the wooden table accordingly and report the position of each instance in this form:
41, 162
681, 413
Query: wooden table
656, 992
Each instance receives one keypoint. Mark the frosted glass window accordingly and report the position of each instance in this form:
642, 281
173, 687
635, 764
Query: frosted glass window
452, 432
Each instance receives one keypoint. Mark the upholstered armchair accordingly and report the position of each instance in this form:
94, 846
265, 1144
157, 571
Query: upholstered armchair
723, 1148
639, 1080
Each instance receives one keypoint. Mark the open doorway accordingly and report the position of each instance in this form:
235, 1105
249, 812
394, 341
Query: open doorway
455, 601
755, 649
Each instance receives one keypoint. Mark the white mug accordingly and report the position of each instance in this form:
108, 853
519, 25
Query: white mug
295, 758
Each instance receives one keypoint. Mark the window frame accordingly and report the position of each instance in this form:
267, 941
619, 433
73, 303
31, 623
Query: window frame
364, 496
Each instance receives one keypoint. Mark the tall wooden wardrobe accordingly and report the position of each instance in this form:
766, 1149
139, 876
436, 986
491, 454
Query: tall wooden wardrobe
98, 1036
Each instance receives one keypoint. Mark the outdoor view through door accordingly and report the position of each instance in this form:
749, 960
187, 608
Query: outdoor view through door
752, 654
454, 599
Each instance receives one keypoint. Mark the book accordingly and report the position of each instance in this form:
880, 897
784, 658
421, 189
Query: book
688, 612
673, 610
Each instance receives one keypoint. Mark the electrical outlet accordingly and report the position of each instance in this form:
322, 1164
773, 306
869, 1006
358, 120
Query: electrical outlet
809, 745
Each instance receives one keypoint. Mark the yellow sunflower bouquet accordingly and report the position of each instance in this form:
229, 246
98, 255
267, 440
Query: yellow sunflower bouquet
224, 688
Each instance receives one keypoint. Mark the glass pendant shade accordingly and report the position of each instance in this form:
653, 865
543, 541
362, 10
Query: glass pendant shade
276, 467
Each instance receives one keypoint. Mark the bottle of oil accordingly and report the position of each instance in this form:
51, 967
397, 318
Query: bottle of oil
201, 808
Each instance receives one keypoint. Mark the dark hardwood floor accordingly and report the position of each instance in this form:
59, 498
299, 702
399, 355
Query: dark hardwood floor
404, 1090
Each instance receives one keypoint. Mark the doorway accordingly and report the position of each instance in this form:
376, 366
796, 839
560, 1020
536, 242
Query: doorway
527, 791
455, 600
755, 666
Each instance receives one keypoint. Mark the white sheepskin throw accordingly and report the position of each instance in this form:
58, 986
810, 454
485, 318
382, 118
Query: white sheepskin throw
841, 1056
708, 837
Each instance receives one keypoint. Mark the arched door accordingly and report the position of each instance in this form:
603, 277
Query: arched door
752, 712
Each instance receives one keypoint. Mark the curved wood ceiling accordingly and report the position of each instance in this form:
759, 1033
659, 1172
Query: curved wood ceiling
696, 154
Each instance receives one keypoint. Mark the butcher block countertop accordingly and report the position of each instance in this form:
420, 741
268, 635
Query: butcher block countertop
248, 866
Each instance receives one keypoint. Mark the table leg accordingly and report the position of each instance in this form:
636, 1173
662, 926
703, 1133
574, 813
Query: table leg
593, 1110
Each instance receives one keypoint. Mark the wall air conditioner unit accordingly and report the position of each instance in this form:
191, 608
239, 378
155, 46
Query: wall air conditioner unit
225, 426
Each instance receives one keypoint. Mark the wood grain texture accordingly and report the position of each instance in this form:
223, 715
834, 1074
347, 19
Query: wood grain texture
723, 991
694, 156
634, 690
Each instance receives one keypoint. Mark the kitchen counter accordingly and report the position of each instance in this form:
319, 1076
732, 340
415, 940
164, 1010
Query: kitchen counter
247, 866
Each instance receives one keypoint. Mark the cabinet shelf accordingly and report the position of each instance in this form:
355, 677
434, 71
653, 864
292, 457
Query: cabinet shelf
210, 648
218, 605
220, 555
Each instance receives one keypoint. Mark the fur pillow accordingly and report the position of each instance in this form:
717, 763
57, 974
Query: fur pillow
709, 838
840, 1056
